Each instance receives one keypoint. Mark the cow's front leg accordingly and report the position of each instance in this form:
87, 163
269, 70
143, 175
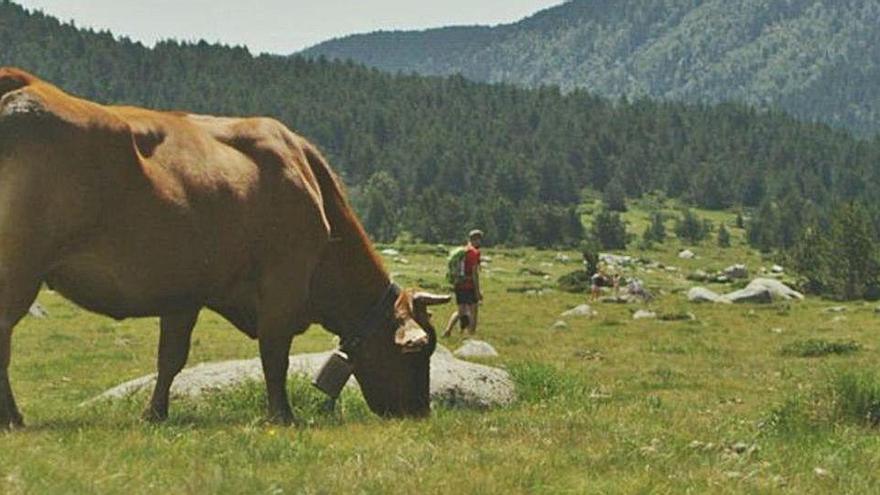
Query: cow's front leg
274, 354
174, 343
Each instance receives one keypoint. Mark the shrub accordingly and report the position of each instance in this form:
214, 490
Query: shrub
819, 348
856, 397
537, 382
577, 281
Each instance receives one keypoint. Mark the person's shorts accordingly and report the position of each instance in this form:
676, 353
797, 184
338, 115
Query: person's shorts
465, 296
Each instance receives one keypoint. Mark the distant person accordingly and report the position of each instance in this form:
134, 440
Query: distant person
597, 280
465, 262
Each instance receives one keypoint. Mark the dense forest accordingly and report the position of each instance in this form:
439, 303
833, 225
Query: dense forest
815, 59
428, 157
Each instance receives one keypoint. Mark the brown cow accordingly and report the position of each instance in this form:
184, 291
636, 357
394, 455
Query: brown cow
130, 212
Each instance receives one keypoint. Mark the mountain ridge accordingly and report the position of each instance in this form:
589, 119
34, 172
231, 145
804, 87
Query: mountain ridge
812, 58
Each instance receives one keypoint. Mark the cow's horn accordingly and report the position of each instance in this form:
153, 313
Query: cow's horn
429, 299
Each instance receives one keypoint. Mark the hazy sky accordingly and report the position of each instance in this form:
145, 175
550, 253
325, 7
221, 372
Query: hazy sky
277, 26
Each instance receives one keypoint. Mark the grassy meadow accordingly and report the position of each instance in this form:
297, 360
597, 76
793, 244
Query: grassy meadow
772, 398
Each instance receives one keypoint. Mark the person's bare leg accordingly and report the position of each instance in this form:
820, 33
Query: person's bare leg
452, 321
472, 327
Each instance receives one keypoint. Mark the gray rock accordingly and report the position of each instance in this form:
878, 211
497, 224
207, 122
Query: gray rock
38, 311
698, 276
748, 295
835, 309
584, 311
616, 260
702, 294
777, 269
475, 349
687, 254
453, 381
390, 252
644, 314
738, 271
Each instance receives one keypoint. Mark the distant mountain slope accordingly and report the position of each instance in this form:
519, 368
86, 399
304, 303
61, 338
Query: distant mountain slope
816, 59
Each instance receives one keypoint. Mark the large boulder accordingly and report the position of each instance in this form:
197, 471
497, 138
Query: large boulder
777, 289
748, 295
702, 294
453, 381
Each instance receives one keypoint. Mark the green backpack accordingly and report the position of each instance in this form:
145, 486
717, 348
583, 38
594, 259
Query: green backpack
455, 266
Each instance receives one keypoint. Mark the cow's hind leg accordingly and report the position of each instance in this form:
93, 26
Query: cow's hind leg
174, 343
15, 299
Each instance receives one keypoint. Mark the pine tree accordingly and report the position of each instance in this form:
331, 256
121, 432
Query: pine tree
723, 237
614, 196
609, 230
690, 228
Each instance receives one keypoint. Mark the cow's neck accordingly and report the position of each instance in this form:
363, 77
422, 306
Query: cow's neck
350, 279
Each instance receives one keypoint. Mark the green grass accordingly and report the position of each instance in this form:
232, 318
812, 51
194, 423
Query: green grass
609, 405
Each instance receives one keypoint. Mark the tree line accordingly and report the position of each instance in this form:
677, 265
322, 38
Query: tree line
428, 158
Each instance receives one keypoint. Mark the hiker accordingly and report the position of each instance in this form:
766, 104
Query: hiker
596, 282
464, 274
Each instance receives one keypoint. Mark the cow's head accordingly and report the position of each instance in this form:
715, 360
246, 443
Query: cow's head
392, 364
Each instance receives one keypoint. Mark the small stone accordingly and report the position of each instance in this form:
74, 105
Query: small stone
740, 447
475, 349
562, 258
737, 271
821, 472
687, 254
390, 252
584, 310
38, 311
836, 309
644, 314
777, 330
560, 325
777, 269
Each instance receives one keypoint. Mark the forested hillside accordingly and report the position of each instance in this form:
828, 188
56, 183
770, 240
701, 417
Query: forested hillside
816, 59
433, 157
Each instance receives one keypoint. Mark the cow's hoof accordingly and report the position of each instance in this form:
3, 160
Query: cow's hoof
152, 415
285, 418
328, 406
11, 422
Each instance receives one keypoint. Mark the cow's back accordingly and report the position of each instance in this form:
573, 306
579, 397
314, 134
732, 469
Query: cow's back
210, 205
